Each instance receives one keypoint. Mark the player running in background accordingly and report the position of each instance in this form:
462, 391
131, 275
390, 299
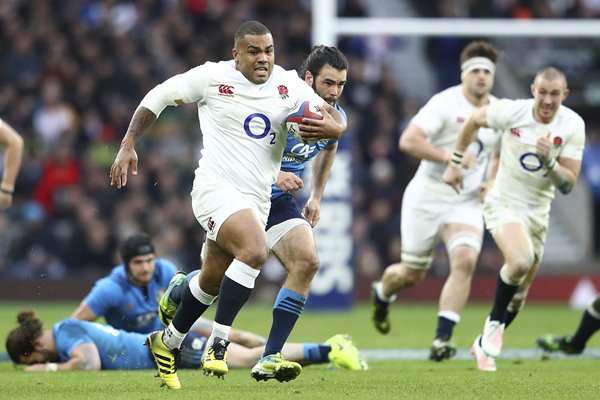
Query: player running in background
128, 297
82, 345
289, 230
431, 210
13, 154
575, 344
542, 146
242, 106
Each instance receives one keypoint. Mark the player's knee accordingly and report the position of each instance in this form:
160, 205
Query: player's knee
463, 261
254, 256
311, 266
520, 264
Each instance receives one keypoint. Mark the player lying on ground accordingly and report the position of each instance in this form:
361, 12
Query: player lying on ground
590, 324
83, 345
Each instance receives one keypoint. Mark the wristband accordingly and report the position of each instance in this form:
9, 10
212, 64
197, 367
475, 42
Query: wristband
6, 191
52, 367
456, 158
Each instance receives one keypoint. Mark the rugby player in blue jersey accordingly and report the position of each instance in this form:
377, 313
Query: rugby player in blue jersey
289, 230
82, 345
128, 297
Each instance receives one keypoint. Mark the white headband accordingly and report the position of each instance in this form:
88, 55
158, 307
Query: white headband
476, 63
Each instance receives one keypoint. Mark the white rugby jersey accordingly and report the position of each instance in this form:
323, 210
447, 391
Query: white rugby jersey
441, 119
243, 124
521, 178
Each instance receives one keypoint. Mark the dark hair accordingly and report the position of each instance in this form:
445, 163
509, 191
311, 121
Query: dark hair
321, 56
249, 28
136, 245
19, 341
480, 48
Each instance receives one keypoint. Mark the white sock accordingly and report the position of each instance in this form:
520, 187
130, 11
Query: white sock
172, 338
200, 294
383, 297
242, 273
220, 331
450, 315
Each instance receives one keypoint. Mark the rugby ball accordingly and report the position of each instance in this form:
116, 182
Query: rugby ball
306, 110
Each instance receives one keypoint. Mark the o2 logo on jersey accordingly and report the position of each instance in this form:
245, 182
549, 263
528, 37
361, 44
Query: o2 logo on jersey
531, 162
249, 119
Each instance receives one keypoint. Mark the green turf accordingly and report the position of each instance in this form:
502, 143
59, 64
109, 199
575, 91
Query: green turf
413, 327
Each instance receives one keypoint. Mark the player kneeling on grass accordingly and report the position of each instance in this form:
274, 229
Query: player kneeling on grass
83, 345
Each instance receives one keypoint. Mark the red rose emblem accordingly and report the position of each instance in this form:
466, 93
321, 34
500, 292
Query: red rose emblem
557, 140
282, 90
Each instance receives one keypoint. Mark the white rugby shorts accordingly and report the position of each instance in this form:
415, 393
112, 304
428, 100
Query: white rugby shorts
424, 214
497, 213
213, 201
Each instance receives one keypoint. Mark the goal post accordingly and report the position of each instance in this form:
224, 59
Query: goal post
327, 26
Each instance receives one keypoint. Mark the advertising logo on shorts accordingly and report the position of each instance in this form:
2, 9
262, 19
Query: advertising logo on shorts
333, 286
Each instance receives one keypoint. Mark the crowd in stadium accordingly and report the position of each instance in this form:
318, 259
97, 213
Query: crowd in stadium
72, 73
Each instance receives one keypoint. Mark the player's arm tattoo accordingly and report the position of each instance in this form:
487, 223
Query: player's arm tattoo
563, 176
141, 120
565, 187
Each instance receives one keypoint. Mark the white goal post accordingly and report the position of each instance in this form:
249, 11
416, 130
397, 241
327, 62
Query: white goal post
327, 26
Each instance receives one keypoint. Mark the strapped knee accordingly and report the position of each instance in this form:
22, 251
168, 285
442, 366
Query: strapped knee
417, 261
469, 239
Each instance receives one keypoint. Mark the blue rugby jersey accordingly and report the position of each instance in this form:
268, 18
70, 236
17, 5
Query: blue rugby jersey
117, 349
127, 306
296, 154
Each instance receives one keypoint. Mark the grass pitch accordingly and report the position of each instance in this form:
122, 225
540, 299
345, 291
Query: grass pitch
413, 326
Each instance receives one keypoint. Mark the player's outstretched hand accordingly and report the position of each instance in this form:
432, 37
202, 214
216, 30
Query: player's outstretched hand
453, 176
126, 158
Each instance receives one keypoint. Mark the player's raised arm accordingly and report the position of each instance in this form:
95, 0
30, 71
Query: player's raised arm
127, 157
157, 99
414, 141
562, 171
453, 175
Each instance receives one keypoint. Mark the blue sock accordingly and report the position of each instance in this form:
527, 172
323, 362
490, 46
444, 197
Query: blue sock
316, 353
287, 310
232, 297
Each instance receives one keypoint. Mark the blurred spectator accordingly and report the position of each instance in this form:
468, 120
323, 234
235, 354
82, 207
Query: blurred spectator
72, 73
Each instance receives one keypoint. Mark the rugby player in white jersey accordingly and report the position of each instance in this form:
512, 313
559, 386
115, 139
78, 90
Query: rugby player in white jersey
242, 106
542, 145
431, 210
13, 154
